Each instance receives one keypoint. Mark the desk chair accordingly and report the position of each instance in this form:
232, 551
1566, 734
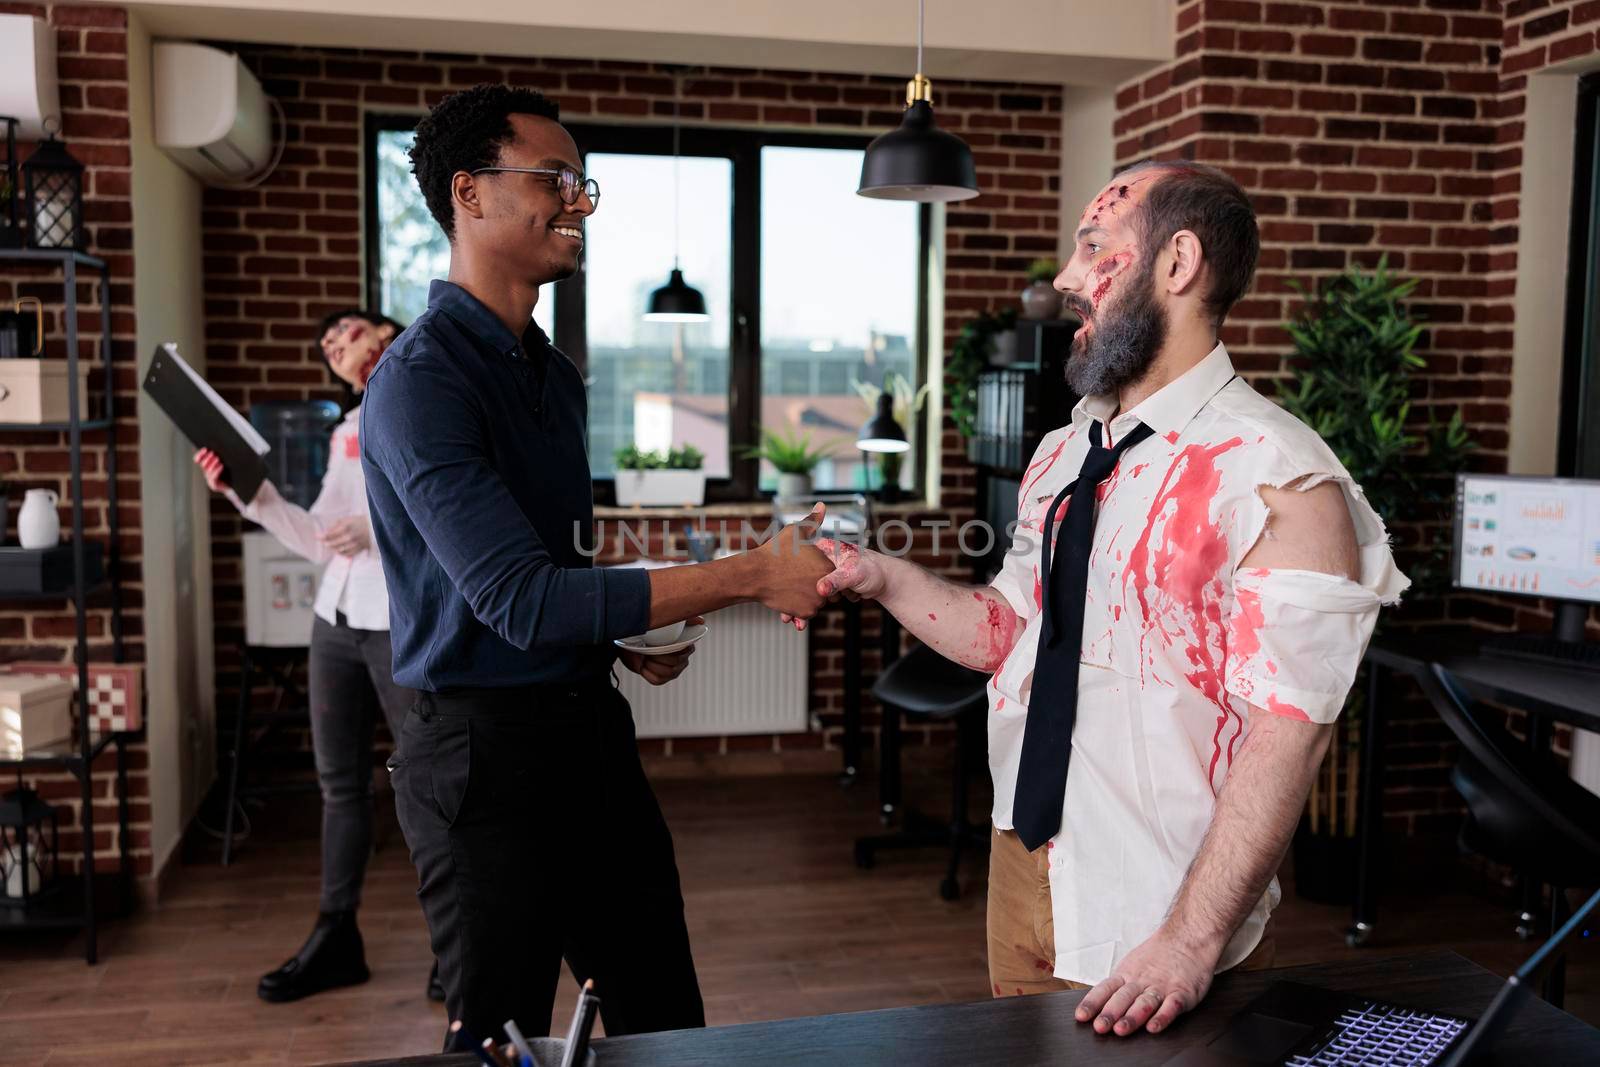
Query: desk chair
1524, 809
924, 686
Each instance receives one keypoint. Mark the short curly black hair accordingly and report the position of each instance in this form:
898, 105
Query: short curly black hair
465, 131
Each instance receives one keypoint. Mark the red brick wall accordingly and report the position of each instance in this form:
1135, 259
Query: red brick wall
1361, 131
278, 258
91, 45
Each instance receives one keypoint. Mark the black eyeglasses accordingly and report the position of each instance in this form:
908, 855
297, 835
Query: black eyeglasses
568, 182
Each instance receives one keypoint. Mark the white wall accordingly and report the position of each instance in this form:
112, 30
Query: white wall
1080, 42
174, 514
1538, 341
1088, 153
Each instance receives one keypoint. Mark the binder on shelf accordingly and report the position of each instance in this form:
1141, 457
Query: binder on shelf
207, 420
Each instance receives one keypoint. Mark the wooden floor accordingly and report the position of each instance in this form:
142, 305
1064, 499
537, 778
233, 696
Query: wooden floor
783, 925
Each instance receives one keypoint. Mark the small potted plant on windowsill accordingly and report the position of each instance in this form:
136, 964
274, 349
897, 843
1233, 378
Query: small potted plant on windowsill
793, 457
647, 478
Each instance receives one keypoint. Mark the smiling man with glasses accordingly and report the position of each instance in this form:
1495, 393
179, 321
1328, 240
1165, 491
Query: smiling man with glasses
516, 774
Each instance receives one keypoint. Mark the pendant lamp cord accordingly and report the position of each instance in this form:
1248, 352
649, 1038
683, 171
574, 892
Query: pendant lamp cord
920, 4
677, 96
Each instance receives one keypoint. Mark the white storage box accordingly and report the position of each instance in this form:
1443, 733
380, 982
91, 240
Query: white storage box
661, 488
35, 390
34, 712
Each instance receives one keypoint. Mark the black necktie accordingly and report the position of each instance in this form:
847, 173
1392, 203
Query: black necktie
1053, 701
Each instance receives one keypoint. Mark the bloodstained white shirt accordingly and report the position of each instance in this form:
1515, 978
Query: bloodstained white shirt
351, 584
1177, 644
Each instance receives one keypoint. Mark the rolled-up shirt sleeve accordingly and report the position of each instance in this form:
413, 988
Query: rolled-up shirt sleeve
423, 430
1295, 641
1296, 637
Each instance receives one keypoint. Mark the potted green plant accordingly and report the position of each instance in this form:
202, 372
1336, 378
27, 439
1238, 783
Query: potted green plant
1354, 355
649, 478
906, 404
973, 350
1040, 299
791, 454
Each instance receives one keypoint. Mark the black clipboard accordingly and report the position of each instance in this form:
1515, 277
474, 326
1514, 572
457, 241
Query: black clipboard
207, 420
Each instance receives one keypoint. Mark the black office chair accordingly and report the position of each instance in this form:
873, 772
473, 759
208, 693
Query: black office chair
1525, 811
923, 685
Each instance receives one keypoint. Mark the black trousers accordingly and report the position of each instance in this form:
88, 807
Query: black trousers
351, 685
536, 837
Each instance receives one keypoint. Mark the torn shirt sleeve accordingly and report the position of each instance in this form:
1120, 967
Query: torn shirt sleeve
1296, 637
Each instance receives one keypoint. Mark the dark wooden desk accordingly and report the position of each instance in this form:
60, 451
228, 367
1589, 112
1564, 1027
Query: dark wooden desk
1548, 692
1040, 1030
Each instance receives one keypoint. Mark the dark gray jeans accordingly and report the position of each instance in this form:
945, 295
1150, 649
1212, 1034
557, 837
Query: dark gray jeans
351, 682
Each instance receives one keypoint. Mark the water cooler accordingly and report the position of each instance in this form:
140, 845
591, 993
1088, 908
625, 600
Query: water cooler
280, 588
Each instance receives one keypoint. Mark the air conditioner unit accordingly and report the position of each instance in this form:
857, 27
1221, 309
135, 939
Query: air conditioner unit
28, 75
211, 114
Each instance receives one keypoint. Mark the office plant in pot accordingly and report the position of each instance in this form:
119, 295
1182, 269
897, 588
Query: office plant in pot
1354, 357
792, 456
650, 478
976, 346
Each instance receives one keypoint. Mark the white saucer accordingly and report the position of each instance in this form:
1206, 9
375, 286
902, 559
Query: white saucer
690, 635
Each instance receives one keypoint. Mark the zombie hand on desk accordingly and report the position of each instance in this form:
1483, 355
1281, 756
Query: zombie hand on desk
1154, 984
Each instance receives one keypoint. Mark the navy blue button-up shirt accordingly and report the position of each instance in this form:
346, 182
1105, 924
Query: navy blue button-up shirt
474, 446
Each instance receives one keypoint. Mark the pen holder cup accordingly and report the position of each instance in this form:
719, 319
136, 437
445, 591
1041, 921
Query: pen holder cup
548, 1051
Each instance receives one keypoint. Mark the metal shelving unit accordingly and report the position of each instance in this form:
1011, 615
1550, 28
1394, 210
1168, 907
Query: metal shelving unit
78, 758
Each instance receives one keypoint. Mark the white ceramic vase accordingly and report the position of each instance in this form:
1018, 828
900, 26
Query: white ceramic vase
38, 525
1041, 302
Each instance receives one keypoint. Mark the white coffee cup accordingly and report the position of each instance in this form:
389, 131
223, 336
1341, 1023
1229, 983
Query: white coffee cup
664, 635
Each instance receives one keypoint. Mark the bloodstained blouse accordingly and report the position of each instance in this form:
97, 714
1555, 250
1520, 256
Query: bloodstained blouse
1178, 644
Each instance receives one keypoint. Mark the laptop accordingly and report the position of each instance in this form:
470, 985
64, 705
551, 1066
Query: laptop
1295, 1025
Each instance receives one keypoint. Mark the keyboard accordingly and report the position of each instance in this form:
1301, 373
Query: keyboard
1542, 648
1382, 1035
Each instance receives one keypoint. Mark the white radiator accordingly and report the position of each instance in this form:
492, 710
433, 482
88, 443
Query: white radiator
747, 676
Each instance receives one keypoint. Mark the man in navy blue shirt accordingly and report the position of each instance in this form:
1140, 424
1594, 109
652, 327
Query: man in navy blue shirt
517, 777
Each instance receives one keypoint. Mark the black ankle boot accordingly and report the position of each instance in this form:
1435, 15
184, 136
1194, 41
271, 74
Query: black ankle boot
435, 987
332, 956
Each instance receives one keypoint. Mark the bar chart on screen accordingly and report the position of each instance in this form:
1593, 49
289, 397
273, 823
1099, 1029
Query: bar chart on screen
1535, 536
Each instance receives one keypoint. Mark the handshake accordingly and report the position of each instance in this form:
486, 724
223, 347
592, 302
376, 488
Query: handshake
794, 574
798, 572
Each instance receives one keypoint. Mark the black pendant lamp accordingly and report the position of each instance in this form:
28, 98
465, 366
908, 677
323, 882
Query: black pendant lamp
677, 301
918, 161
882, 433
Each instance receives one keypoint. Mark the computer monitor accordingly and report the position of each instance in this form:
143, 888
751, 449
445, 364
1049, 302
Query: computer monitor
1537, 537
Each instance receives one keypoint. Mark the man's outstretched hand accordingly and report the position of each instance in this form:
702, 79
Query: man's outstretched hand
1152, 986
791, 566
857, 575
